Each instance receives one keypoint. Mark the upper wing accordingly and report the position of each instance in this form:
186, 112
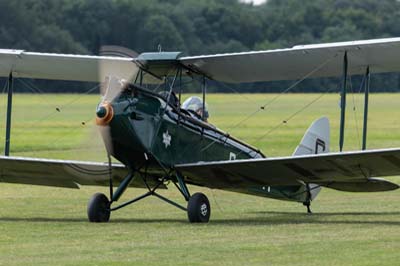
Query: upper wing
349, 171
305, 61
60, 173
64, 67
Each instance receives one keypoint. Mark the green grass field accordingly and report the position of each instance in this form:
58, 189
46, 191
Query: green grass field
48, 226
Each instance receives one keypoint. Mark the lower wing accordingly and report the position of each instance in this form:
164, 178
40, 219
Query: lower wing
347, 171
61, 173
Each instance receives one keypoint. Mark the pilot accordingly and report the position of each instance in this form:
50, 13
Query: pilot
195, 106
173, 100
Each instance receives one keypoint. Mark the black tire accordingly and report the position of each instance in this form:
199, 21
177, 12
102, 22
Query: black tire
98, 208
198, 208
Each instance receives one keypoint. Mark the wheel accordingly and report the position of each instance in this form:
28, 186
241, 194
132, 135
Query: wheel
198, 208
98, 208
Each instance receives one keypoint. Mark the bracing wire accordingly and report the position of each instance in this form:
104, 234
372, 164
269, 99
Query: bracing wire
31, 86
3, 91
215, 201
58, 109
72, 130
293, 85
1, 112
286, 121
267, 104
237, 92
5, 86
355, 112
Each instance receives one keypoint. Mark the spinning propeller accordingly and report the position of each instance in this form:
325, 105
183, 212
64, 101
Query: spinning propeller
113, 81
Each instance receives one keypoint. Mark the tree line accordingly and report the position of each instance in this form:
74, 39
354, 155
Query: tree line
197, 27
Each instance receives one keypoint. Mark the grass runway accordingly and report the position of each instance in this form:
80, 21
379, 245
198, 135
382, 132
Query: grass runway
48, 226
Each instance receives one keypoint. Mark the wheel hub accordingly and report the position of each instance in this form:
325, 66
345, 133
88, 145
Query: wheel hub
203, 209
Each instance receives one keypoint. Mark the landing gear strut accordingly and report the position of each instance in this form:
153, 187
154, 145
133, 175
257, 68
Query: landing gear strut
308, 205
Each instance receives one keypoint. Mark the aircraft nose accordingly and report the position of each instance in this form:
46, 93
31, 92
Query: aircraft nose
104, 114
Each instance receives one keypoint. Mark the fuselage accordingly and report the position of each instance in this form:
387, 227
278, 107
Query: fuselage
145, 127
148, 132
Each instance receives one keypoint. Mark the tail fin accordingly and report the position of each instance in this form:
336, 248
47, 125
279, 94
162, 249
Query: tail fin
315, 141
316, 138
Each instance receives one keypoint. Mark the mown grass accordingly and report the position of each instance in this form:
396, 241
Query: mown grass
47, 226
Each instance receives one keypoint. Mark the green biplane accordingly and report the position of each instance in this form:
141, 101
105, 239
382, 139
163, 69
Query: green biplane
158, 140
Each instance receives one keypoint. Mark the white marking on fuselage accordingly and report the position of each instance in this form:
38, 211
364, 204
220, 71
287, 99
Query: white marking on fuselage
167, 139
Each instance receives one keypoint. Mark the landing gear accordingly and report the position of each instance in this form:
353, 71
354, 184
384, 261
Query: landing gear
198, 209
99, 208
308, 205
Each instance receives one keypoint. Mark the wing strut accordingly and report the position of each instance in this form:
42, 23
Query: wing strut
343, 101
367, 82
9, 109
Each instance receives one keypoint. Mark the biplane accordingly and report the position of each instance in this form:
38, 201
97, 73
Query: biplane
159, 140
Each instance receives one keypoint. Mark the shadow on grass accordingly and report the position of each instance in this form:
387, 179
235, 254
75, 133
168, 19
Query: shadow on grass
287, 218
321, 214
261, 218
85, 220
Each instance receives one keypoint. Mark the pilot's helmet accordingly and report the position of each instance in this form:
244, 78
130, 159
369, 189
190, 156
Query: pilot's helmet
195, 104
